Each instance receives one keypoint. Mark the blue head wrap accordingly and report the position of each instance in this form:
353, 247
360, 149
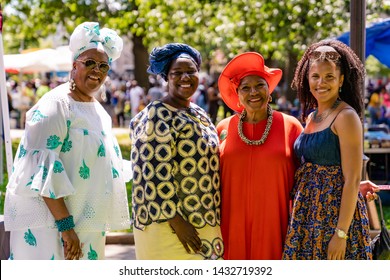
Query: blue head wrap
160, 58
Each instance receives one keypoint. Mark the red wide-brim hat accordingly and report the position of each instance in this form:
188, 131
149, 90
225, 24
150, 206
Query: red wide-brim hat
242, 65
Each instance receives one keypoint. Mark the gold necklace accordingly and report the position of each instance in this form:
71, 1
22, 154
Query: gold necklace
317, 118
266, 131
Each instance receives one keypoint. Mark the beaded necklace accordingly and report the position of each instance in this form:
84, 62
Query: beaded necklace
266, 131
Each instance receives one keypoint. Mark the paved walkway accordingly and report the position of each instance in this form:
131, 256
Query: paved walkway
120, 252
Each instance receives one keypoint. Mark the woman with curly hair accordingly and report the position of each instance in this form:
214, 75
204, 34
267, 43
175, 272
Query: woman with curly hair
329, 218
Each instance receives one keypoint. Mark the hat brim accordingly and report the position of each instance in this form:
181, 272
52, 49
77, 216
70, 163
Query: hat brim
242, 65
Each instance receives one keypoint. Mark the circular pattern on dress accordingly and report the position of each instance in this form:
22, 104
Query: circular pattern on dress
214, 162
186, 148
163, 152
187, 132
142, 214
162, 132
202, 147
168, 208
207, 201
154, 210
150, 191
147, 171
205, 184
191, 203
165, 190
137, 175
203, 165
197, 220
146, 152
188, 166
138, 194
149, 129
189, 185
210, 218
163, 171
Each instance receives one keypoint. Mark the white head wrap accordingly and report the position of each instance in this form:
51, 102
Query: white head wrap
88, 36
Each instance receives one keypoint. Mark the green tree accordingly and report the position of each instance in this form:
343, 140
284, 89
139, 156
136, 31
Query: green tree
279, 29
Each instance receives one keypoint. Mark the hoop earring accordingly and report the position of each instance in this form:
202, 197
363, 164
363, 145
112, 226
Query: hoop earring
238, 104
72, 84
270, 98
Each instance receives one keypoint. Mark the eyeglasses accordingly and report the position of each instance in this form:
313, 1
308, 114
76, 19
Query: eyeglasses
91, 64
325, 55
179, 74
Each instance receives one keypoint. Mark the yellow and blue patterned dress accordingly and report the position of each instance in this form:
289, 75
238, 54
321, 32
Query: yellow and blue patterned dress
67, 151
318, 188
175, 158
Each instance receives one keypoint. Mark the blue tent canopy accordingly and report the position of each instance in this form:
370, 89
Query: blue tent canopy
377, 41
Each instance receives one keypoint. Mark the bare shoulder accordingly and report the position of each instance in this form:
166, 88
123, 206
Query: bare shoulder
347, 121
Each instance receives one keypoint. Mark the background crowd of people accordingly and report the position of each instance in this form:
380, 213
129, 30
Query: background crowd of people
123, 99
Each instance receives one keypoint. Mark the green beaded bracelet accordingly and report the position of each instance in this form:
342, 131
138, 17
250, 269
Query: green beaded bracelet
65, 224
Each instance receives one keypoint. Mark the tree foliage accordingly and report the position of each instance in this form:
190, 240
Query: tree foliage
279, 29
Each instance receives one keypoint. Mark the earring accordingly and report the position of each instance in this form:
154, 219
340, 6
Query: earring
270, 99
238, 104
339, 89
72, 84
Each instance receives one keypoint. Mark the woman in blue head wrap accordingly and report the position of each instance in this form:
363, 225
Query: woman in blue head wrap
176, 195
67, 187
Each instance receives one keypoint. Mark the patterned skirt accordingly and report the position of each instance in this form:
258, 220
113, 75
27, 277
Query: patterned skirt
317, 200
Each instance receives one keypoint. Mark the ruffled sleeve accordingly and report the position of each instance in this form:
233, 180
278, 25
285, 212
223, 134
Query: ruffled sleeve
38, 169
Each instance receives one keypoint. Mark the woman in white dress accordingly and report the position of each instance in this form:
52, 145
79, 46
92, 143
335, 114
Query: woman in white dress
67, 188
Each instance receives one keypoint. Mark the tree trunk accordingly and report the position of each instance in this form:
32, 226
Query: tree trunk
289, 75
141, 62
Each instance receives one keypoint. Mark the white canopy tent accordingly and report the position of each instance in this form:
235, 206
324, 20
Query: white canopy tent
43, 60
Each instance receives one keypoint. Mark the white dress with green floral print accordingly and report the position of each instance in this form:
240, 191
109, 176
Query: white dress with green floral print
68, 150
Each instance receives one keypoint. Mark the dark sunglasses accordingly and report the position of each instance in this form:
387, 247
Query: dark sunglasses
328, 55
91, 64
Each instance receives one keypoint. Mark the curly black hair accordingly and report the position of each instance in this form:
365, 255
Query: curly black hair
351, 67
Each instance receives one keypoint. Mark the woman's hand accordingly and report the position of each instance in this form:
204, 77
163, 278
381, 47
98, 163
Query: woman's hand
72, 246
368, 189
336, 248
186, 233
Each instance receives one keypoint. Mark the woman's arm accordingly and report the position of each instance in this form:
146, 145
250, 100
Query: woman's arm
72, 246
349, 130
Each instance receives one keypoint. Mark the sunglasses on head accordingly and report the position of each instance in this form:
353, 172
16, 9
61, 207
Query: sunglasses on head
91, 64
325, 55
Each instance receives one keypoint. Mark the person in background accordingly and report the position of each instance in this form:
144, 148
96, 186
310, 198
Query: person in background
119, 109
67, 188
284, 105
377, 110
213, 99
42, 88
329, 216
136, 95
175, 159
257, 161
155, 92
